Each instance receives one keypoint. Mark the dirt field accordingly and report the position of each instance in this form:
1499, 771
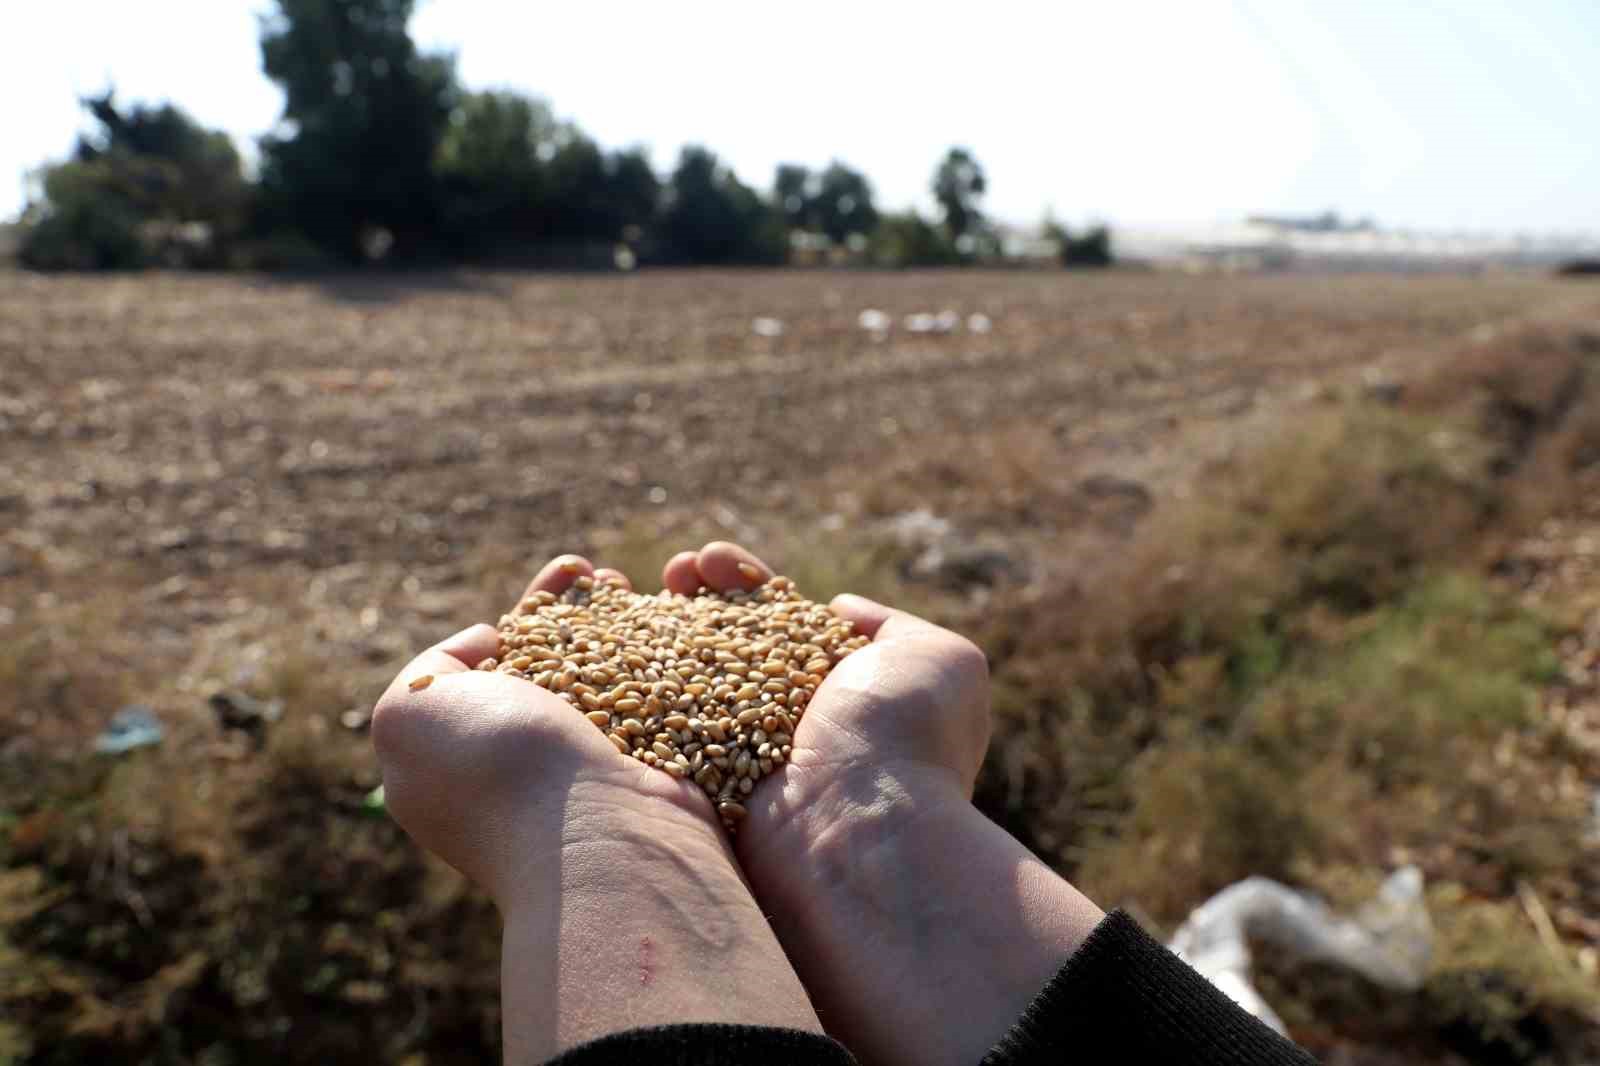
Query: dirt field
284, 488
183, 452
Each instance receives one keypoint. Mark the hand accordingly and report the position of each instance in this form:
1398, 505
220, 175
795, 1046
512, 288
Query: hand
622, 903
921, 929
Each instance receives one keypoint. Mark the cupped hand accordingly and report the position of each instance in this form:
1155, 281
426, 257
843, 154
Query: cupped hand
903, 722
492, 773
919, 927
622, 902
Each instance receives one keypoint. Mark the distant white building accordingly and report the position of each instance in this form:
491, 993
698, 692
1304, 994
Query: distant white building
1324, 243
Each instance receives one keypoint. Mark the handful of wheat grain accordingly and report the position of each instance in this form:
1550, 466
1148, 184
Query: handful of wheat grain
708, 687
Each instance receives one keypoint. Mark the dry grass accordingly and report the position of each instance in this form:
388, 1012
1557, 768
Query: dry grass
1305, 669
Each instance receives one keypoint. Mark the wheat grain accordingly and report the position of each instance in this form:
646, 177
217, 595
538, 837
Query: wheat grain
710, 687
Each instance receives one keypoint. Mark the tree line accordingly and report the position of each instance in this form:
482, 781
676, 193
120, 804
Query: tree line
381, 154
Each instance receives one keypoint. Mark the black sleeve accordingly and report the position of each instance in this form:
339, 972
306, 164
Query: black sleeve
1122, 997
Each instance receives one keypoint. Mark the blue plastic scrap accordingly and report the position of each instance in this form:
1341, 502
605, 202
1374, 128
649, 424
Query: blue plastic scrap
134, 726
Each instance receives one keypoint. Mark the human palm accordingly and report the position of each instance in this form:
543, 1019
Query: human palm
865, 851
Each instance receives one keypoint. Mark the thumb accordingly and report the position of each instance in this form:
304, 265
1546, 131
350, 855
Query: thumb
454, 655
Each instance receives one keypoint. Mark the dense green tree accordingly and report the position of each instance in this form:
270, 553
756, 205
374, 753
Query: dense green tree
713, 217
514, 177
492, 179
842, 203
596, 195
836, 201
82, 217
364, 115
200, 176
147, 183
635, 191
791, 194
958, 186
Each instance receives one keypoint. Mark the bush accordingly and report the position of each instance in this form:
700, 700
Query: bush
1092, 249
909, 240
283, 251
149, 186
86, 224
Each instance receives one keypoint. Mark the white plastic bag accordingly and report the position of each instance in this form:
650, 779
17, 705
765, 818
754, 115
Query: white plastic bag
1389, 940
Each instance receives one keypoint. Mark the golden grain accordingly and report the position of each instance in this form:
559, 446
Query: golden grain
709, 686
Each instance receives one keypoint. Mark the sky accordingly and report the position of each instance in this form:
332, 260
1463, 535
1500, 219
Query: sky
1454, 115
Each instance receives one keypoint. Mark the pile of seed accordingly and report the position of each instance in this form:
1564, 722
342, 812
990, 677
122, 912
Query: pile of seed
708, 687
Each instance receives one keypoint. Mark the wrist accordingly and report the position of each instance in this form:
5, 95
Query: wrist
637, 922
898, 882
611, 813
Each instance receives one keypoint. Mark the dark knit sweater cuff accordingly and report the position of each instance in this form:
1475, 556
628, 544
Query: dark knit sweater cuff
1123, 997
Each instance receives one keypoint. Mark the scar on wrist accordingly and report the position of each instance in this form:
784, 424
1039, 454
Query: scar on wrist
647, 960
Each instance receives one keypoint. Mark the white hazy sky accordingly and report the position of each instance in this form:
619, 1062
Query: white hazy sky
1453, 114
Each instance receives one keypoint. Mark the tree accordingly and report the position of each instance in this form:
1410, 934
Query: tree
713, 217
1091, 249
836, 202
958, 186
634, 191
595, 195
514, 176
149, 182
491, 177
202, 180
82, 218
842, 203
907, 240
364, 115
791, 194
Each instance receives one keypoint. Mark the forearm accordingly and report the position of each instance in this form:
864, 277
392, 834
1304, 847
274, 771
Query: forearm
645, 929
923, 929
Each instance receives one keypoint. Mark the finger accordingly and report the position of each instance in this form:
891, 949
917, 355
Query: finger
876, 620
452, 655
558, 574
726, 566
681, 575
606, 573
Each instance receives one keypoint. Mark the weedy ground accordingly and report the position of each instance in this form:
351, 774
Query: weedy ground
1290, 576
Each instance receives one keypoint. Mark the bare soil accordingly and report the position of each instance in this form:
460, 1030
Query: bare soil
181, 451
